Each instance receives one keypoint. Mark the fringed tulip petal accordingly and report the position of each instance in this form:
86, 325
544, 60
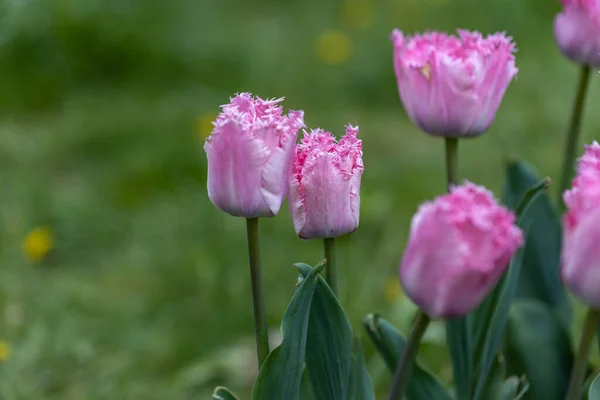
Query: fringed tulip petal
459, 246
453, 85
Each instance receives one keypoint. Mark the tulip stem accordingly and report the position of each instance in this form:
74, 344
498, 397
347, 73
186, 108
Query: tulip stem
405, 363
451, 161
573, 133
331, 267
258, 296
583, 353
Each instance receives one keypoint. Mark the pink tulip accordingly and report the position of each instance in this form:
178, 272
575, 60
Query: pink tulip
325, 184
577, 31
581, 225
453, 86
250, 154
459, 246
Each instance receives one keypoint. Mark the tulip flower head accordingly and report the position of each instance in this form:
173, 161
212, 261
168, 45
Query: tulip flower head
250, 154
577, 31
580, 267
453, 86
459, 246
324, 192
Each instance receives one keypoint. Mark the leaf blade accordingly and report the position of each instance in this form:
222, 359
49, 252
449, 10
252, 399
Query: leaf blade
362, 389
222, 393
498, 321
459, 339
540, 275
281, 373
594, 390
532, 329
389, 343
328, 343
491, 316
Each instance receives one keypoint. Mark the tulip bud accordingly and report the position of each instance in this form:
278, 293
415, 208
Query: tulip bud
250, 154
452, 86
580, 267
577, 31
324, 193
459, 246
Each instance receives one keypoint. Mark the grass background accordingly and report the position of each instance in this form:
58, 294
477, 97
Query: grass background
104, 106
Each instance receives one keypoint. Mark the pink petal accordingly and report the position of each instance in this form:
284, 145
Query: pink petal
459, 246
581, 260
235, 167
276, 173
453, 86
324, 194
577, 31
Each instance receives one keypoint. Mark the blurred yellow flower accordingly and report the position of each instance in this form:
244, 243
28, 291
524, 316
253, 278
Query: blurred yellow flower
334, 47
38, 243
392, 289
4, 350
357, 14
205, 125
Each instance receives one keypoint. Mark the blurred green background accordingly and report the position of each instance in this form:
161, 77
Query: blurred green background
118, 278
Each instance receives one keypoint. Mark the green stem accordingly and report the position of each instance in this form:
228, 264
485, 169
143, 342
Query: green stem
405, 364
258, 296
583, 353
573, 133
451, 161
331, 267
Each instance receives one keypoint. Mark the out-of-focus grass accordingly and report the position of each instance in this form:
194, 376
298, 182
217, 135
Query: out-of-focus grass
104, 106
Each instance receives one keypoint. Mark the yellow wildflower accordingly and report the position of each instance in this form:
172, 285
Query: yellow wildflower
38, 243
392, 289
205, 125
4, 350
334, 47
357, 14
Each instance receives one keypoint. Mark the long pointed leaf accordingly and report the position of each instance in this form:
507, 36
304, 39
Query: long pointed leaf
492, 315
498, 321
493, 389
281, 373
306, 392
467, 336
390, 344
328, 343
482, 316
594, 390
540, 275
538, 346
459, 337
498, 387
222, 393
361, 387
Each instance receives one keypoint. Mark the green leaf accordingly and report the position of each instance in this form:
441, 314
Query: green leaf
306, 392
470, 335
390, 344
328, 343
459, 339
594, 390
498, 387
281, 373
493, 389
482, 316
222, 393
530, 195
540, 275
514, 388
537, 345
497, 321
361, 387
489, 320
